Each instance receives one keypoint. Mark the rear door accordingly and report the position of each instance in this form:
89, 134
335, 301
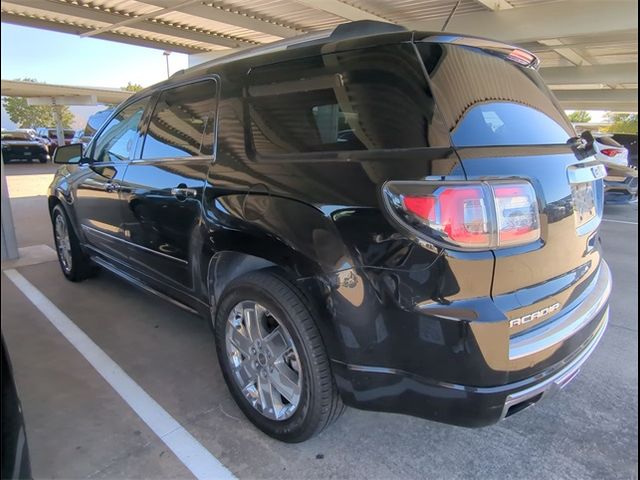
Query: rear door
504, 123
162, 189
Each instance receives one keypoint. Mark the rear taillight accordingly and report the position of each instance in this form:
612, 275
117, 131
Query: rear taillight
468, 215
610, 152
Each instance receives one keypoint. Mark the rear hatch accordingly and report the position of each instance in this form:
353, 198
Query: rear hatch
504, 123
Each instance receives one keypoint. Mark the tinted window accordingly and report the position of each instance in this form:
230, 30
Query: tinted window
182, 123
487, 100
503, 123
118, 139
375, 98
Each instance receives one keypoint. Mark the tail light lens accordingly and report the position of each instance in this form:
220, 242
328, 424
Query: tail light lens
610, 152
467, 215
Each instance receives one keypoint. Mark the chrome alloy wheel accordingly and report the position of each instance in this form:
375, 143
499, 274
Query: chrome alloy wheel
264, 361
63, 243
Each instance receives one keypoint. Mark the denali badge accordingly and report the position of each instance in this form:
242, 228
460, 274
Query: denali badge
534, 316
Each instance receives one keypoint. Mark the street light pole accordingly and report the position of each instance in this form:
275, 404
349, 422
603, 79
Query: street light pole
166, 54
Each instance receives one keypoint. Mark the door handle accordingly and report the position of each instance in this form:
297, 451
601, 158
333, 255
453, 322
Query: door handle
112, 187
181, 193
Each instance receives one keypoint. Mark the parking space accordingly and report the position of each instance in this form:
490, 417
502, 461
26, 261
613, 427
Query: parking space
78, 426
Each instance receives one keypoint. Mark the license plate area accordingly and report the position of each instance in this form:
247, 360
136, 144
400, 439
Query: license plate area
584, 202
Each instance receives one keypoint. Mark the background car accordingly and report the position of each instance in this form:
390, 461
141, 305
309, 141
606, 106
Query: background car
609, 151
51, 135
17, 145
621, 184
630, 142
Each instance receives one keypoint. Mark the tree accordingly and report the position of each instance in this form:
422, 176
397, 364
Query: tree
32, 116
622, 122
580, 116
133, 87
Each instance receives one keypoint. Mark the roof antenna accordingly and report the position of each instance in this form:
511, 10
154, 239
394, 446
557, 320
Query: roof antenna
453, 12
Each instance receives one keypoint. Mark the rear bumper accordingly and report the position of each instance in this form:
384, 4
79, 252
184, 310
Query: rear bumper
392, 390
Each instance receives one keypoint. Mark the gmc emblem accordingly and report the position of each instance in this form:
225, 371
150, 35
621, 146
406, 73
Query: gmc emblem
516, 322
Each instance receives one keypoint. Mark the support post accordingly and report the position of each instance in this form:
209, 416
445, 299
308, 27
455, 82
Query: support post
57, 116
9, 243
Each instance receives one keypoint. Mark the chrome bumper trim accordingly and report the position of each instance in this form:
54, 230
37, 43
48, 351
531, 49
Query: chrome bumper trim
567, 325
560, 379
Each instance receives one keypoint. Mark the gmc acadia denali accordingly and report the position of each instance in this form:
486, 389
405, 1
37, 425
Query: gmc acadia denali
387, 219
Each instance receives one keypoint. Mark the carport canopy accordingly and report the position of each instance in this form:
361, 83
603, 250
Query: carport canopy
57, 95
588, 48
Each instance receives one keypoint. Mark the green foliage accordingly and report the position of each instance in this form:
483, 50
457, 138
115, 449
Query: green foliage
622, 122
133, 87
580, 116
31, 116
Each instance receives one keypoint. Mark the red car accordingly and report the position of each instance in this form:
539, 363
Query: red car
51, 135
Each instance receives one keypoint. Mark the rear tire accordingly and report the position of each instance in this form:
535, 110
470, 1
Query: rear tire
270, 398
75, 264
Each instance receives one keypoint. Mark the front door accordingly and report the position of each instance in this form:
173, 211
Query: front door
98, 203
162, 190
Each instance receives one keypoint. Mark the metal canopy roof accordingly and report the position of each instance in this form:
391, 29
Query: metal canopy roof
588, 48
14, 88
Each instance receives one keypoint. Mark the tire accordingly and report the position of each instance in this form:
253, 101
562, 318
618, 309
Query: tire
43, 160
317, 403
75, 264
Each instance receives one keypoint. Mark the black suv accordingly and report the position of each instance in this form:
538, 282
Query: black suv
391, 220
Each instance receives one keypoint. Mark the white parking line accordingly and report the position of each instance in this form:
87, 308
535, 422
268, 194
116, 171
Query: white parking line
619, 221
191, 453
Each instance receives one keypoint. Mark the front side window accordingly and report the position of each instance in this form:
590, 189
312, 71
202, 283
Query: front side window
367, 99
182, 123
118, 139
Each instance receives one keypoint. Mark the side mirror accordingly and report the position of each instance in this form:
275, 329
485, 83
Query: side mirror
68, 154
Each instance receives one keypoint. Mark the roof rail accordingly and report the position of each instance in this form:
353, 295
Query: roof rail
342, 31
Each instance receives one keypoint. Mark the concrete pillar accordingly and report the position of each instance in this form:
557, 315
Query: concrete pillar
57, 116
9, 243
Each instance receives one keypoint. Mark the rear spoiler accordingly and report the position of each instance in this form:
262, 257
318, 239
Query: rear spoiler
508, 52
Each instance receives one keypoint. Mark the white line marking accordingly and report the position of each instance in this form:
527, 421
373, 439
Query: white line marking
191, 453
619, 221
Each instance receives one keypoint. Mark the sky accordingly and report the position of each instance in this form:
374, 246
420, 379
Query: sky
60, 58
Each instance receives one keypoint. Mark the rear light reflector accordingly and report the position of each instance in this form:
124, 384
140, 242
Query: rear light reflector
610, 152
521, 56
468, 215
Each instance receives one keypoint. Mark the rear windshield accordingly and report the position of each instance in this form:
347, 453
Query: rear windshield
489, 101
608, 141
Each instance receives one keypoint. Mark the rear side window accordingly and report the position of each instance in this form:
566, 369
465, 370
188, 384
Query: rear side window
489, 101
375, 98
182, 123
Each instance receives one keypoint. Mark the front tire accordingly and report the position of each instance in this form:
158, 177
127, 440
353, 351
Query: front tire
273, 359
75, 265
